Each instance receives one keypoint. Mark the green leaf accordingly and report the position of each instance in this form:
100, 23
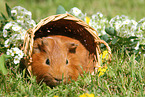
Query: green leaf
60, 10
111, 31
13, 17
133, 37
8, 9
2, 65
114, 40
105, 37
3, 16
134, 43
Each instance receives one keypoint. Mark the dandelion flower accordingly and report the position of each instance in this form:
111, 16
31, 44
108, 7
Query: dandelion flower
101, 73
87, 19
55, 96
105, 54
102, 70
87, 95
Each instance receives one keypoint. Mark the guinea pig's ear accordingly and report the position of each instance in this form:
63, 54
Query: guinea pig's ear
36, 45
72, 47
47, 43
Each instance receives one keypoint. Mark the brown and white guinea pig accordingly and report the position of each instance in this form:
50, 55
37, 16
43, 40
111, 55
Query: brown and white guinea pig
59, 57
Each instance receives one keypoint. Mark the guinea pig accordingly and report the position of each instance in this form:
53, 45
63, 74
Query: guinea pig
59, 58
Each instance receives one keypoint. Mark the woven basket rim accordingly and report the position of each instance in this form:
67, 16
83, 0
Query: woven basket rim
67, 17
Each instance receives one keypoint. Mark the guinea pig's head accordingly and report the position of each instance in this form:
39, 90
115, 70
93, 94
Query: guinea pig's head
55, 61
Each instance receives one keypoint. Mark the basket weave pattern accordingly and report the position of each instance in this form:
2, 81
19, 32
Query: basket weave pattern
67, 25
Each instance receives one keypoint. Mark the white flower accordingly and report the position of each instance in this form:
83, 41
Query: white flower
99, 14
21, 54
13, 12
16, 50
5, 33
23, 32
17, 36
20, 17
93, 16
132, 34
13, 37
118, 25
21, 22
32, 23
127, 21
76, 11
124, 26
10, 52
134, 22
16, 59
103, 32
8, 25
16, 28
19, 8
99, 22
137, 46
27, 15
6, 43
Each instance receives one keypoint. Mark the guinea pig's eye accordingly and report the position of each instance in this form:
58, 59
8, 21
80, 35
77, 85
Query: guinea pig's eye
66, 61
47, 62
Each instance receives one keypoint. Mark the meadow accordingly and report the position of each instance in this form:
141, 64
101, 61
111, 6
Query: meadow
110, 8
125, 75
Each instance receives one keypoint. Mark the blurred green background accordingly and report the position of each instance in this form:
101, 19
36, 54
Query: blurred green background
135, 9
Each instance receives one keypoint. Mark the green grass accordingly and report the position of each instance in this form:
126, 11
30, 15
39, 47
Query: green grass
125, 77
110, 8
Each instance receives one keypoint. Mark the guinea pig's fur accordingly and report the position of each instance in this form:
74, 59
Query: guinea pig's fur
59, 57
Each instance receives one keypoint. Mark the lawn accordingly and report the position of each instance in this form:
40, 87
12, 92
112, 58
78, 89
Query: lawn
125, 75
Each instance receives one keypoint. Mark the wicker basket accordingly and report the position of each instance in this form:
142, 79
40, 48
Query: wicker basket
67, 25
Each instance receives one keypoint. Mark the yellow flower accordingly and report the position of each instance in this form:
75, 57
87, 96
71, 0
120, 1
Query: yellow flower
99, 69
106, 67
101, 73
87, 19
102, 70
87, 95
55, 96
105, 55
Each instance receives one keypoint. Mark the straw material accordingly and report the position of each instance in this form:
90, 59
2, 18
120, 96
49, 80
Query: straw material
67, 25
